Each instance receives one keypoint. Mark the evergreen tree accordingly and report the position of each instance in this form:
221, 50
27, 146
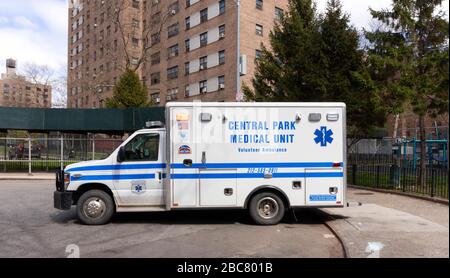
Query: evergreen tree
347, 78
317, 58
291, 70
129, 92
413, 41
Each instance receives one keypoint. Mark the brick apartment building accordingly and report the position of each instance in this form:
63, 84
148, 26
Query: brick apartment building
193, 57
16, 91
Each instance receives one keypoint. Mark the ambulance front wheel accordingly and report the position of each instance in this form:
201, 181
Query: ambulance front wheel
95, 207
267, 208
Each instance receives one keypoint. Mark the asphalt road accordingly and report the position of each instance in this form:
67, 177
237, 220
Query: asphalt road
31, 227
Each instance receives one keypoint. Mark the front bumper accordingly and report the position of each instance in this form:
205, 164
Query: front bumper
61, 198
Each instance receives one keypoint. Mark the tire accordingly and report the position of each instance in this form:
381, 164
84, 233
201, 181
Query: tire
95, 207
266, 208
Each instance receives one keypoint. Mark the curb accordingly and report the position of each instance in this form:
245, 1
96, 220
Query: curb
335, 232
425, 198
26, 177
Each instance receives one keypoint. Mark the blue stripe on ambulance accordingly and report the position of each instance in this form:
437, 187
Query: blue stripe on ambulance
210, 176
258, 165
207, 165
118, 167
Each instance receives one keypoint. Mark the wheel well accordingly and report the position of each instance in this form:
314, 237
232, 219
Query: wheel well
90, 186
271, 189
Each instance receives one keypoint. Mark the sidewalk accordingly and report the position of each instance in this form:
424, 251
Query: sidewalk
26, 176
390, 225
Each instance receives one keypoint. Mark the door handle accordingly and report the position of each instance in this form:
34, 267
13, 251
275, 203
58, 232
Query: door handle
187, 162
158, 176
203, 157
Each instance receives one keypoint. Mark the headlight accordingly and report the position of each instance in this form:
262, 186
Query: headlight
66, 180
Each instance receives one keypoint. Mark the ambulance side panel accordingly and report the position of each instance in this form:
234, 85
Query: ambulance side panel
295, 148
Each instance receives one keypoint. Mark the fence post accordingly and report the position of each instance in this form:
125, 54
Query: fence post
93, 147
29, 156
4, 165
403, 181
433, 182
354, 174
378, 176
62, 153
46, 150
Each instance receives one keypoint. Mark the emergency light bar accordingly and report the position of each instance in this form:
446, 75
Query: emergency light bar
154, 124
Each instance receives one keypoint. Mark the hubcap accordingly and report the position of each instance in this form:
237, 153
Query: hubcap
267, 207
94, 207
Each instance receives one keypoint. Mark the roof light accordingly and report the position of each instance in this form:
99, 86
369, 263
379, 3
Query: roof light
332, 117
153, 124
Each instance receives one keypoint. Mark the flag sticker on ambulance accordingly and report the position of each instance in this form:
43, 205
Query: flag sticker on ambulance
182, 117
184, 149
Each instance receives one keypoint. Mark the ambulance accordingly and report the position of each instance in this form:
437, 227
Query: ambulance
266, 158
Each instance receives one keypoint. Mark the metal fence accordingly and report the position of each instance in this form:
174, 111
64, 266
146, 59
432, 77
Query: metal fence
395, 165
49, 154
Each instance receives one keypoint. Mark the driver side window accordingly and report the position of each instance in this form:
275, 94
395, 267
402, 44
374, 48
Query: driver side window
143, 147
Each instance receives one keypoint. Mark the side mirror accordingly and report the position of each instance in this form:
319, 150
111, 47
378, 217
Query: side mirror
121, 155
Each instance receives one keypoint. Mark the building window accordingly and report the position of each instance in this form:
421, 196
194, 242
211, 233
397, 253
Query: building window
155, 78
221, 81
172, 51
156, 18
203, 63
188, 3
259, 4
258, 54
155, 98
203, 39
259, 30
172, 94
187, 44
135, 23
135, 42
221, 32
173, 30
172, 72
155, 58
203, 85
134, 61
136, 4
187, 22
222, 57
186, 68
186, 91
174, 8
156, 38
278, 13
204, 15
221, 6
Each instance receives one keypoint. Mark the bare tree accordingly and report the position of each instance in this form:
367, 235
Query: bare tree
59, 90
44, 75
37, 74
140, 39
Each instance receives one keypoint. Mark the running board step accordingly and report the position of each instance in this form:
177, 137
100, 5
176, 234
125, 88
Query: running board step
140, 208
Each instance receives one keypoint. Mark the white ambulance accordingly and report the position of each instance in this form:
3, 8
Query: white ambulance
263, 157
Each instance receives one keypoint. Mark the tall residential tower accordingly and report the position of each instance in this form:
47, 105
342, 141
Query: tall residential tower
183, 50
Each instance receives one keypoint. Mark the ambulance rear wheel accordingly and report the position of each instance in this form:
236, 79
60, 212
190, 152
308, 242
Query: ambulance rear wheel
95, 207
266, 208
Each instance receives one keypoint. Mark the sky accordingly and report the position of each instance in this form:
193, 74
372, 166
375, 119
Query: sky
35, 31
